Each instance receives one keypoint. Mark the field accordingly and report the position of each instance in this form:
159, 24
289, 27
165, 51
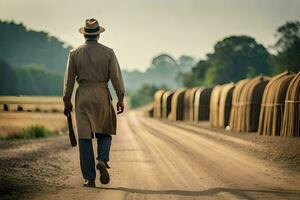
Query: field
31, 103
18, 112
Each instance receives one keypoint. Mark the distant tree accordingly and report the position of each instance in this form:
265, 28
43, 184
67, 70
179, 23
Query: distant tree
185, 63
20, 46
8, 79
29, 80
234, 58
287, 47
144, 95
196, 76
237, 57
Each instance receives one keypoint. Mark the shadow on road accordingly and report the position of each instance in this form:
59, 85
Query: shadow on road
243, 193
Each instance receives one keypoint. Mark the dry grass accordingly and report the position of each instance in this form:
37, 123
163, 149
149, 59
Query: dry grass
15, 122
32, 103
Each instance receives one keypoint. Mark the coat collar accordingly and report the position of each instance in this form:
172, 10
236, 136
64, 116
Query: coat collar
91, 42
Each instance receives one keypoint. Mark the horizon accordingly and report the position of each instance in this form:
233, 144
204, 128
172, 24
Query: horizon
130, 25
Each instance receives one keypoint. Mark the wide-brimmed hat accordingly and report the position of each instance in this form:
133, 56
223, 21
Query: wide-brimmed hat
91, 27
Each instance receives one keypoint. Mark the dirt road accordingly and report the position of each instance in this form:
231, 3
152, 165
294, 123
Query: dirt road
153, 159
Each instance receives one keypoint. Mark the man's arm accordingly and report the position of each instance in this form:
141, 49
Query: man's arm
117, 81
69, 81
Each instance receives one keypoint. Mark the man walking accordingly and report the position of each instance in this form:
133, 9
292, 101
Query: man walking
93, 65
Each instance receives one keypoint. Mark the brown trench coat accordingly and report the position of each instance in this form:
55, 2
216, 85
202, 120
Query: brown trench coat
93, 65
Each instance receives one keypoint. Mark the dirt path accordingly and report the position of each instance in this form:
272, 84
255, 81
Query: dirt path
152, 159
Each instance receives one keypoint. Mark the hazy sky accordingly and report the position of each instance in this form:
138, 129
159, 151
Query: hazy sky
139, 29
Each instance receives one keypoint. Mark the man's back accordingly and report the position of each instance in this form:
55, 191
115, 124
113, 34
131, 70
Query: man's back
92, 62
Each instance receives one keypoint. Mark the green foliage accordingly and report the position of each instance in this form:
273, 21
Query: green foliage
143, 95
32, 132
234, 58
29, 80
20, 46
163, 71
288, 48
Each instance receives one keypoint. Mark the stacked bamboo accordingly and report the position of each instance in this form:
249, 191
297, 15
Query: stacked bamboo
186, 104
201, 104
250, 103
291, 118
157, 112
272, 108
177, 105
189, 103
225, 103
235, 113
214, 105
166, 103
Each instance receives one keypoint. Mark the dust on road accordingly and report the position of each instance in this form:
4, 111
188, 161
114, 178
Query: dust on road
150, 159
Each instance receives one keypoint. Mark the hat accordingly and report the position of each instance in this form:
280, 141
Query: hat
91, 27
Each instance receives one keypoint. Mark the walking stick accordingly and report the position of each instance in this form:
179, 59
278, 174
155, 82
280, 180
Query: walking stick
71, 131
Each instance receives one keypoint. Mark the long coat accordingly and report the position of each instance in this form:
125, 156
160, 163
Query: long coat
93, 65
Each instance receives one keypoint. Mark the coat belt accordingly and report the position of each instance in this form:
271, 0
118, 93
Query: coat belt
98, 84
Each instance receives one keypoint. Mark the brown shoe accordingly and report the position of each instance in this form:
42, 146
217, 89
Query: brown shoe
89, 183
104, 175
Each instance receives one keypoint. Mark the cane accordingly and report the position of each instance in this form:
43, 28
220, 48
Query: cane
71, 131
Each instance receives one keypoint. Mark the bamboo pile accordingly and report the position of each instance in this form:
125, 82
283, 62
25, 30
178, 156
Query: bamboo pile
201, 104
214, 105
250, 103
186, 104
291, 118
272, 108
166, 103
235, 113
177, 105
191, 101
225, 104
157, 112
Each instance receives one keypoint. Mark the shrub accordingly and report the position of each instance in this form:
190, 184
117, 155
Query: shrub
32, 132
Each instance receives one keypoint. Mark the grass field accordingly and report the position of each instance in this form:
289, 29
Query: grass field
43, 110
15, 122
32, 103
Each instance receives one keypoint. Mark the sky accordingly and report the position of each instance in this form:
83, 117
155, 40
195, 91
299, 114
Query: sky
138, 30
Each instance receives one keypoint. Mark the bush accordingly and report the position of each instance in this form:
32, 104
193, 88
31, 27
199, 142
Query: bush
32, 132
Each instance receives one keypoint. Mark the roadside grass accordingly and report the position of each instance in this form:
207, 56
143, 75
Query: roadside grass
32, 132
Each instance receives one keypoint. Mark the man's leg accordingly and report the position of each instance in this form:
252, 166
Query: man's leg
103, 148
87, 161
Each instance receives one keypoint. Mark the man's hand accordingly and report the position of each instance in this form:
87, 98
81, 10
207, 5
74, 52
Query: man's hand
120, 107
67, 110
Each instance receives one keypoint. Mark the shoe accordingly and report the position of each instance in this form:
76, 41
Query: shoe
89, 183
104, 175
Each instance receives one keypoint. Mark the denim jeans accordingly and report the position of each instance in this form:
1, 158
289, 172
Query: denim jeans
86, 153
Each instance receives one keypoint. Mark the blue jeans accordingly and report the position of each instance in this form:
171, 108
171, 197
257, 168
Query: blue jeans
86, 153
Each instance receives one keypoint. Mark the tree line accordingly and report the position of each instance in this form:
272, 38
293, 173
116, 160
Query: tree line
238, 57
235, 58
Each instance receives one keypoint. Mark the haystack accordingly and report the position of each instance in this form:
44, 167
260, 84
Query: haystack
157, 112
189, 99
225, 104
235, 113
166, 103
201, 104
272, 108
177, 105
291, 118
214, 105
250, 103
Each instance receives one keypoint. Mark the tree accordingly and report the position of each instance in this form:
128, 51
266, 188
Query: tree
234, 58
144, 95
287, 47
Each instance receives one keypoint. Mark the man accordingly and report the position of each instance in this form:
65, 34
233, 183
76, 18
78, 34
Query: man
93, 65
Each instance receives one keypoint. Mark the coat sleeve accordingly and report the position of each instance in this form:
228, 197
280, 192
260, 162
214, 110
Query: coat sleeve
69, 80
116, 78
